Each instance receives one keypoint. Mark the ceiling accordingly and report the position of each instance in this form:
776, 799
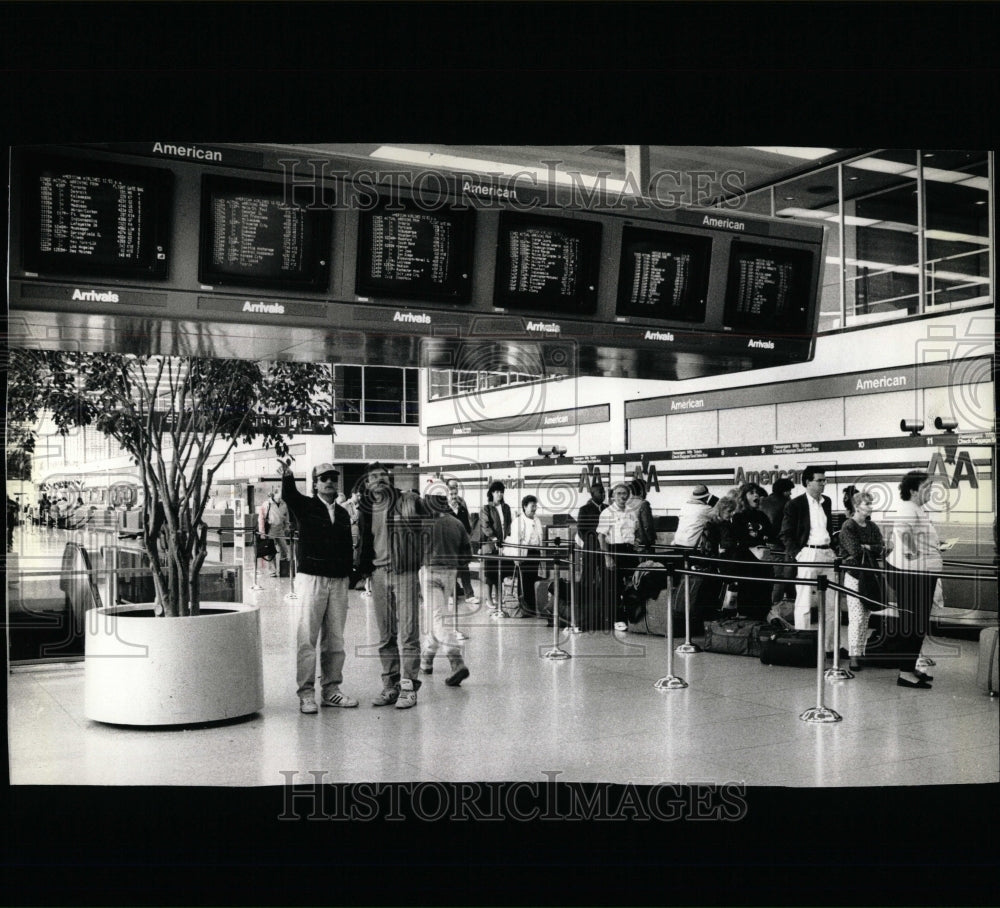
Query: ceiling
749, 168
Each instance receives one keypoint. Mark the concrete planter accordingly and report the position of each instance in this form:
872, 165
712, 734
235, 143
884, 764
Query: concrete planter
143, 670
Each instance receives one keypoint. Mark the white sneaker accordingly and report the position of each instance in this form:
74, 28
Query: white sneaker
407, 695
339, 699
308, 706
621, 626
473, 600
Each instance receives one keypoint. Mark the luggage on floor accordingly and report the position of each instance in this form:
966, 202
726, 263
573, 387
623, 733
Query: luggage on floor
735, 636
795, 648
544, 590
986, 674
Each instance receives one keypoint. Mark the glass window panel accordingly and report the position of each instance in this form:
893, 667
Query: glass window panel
814, 199
880, 246
411, 388
958, 229
383, 402
348, 390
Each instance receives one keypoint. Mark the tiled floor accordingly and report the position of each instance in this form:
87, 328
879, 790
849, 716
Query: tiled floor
592, 718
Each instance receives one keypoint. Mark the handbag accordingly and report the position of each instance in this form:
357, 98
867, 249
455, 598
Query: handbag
870, 584
266, 547
735, 636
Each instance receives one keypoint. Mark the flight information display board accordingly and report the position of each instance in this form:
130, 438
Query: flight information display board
768, 288
547, 264
663, 275
415, 254
95, 218
255, 234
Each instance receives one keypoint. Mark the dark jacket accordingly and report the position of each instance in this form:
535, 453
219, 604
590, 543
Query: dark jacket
774, 506
404, 512
323, 549
446, 543
491, 529
462, 514
586, 522
795, 524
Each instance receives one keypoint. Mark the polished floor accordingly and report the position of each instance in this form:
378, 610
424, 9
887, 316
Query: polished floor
595, 717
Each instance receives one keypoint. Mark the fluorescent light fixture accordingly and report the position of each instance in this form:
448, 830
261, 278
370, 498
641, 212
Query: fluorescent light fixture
795, 151
811, 213
957, 237
880, 166
958, 277
976, 183
937, 175
475, 165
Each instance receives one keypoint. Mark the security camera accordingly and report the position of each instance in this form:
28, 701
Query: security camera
947, 425
558, 452
543, 452
913, 426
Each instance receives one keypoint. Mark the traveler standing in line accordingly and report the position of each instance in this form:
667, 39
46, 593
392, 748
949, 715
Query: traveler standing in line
590, 556
446, 546
459, 509
389, 522
323, 550
272, 523
861, 545
616, 532
693, 517
754, 534
495, 521
526, 534
774, 507
914, 565
645, 526
807, 531
717, 540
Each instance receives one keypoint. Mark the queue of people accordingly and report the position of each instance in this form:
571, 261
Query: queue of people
415, 550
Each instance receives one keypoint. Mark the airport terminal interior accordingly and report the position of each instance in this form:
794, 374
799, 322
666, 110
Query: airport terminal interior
677, 320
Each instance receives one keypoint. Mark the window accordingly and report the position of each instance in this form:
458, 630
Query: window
376, 394
909, 232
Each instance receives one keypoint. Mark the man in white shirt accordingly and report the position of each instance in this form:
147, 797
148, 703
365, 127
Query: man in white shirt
806, 531
527, 536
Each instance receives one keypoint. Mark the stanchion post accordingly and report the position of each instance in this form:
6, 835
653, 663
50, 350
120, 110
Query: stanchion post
836, 673
687, 647
820, 713
556, 652
574, 628
255, 585
670, 681
291, 567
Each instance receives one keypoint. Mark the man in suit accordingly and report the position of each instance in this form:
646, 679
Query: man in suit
459, 510
591, 559
807, 531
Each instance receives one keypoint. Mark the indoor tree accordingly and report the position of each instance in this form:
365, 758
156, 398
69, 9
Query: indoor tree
179, 418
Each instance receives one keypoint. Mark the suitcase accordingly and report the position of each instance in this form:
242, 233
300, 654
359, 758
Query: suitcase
794, 648
543, 599
986, 673
734, 636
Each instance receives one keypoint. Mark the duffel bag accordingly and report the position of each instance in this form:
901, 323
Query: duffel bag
796, 648
734, 636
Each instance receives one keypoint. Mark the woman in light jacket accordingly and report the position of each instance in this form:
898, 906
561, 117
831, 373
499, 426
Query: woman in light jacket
914, 565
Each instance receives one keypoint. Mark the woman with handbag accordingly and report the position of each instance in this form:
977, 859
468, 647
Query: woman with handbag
861, 545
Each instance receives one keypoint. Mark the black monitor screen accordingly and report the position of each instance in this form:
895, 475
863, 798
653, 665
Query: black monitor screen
415, 254
96, 218
547, 264
663, 275
262, 234
769, 288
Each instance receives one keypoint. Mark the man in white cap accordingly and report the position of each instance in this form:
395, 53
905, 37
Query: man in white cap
324, 554
693, 517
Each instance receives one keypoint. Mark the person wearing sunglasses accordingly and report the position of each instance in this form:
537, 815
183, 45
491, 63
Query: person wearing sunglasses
324, 554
